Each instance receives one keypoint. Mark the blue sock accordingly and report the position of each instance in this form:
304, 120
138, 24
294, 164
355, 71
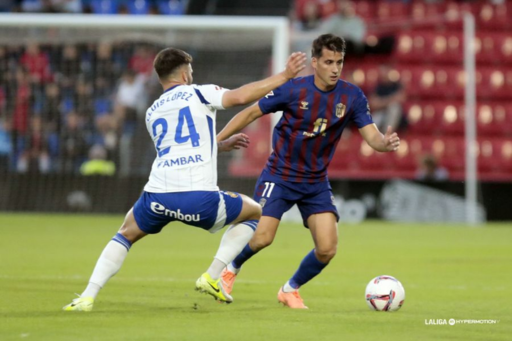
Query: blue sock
246, 253
122, 240
309, 268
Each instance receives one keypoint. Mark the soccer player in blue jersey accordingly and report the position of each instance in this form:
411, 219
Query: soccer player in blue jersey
315, 109
182, 185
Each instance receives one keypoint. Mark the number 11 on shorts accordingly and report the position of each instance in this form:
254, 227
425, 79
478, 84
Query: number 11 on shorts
269, 186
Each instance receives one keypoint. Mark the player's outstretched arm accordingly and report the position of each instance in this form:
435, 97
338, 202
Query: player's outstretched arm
236, 141
253, 91
388, 142
240, 121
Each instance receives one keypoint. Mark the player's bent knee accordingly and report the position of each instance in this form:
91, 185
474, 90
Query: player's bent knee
130, 230
325, 255
261, 241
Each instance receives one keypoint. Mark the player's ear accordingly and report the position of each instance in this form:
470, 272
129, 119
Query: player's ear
314, 62
184, 76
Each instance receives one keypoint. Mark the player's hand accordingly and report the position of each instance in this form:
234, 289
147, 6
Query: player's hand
391, 140
295, 64
236, 141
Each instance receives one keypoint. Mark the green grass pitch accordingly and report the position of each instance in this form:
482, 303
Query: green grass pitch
448, 271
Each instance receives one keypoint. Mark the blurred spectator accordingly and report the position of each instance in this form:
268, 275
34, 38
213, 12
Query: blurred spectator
35, 156
104, 63
429, 170
171, 7
310, 16
51, 108
70, 65
6, 5
83, 101
56, 102
73, 144
130, 98
37, 64
3, 103
139, 7
105, 133
31, 5
102, 6
102, 97
5, 146
142, 61
386, 100
98, 163
345, 23
4, 64
22, 104
69, 6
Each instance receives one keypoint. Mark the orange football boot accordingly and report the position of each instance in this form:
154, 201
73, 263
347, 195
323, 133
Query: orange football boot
291, 299
228, 280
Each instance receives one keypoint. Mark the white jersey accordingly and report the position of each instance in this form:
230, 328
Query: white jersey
182, 125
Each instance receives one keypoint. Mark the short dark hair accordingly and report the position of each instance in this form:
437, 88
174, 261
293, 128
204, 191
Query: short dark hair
330, 42
169, 60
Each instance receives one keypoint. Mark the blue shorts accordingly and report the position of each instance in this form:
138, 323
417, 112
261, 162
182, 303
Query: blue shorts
205, 209
276, 197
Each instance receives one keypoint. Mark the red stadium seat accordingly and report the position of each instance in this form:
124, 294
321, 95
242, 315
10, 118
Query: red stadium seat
414, 46
504, 48
346, 154
505, 150
493, 17
392, 10
494, 119
406, 158
451, 153
447, 47
364, 76
488, 156
432, 81
425, 12
419, 46
370, 160
452, 118
365, 9
422, 117
454, 12
487, 48
496, 83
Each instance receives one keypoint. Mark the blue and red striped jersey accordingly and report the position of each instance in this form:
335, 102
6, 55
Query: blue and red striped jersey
306, 136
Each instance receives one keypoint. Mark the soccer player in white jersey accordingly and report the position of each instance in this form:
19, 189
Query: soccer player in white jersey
182, 185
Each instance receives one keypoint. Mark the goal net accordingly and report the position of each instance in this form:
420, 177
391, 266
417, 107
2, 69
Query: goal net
74, 90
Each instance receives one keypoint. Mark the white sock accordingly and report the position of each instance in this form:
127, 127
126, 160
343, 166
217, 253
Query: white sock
107, 266
288, 288
233, 241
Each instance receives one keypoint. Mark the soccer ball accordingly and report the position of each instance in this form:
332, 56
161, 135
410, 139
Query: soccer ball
385, 293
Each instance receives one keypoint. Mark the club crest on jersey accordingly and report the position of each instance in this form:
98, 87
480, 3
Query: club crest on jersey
304, 105
231, 194
340, 110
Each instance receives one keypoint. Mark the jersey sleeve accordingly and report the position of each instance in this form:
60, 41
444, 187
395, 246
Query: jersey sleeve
211, 95
362, 116
275, 100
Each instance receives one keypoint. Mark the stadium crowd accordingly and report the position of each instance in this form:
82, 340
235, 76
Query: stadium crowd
59, 102
168, 7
